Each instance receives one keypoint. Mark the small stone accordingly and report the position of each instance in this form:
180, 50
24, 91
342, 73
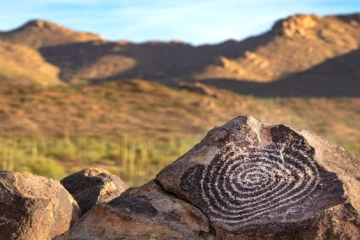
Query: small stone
196, 88
92, 186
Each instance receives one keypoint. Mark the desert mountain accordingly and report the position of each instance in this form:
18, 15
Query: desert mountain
40, 33
337, 77
20, 64
293, 45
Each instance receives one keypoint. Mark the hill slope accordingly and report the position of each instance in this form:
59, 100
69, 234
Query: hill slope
135, 127
23, 65
293, 45
337, 77
40, 33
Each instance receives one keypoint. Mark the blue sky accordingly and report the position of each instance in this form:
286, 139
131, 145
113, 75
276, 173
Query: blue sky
192, 21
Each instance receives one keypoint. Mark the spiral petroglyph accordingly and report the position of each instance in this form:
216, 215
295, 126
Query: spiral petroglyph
241, 184
246, 174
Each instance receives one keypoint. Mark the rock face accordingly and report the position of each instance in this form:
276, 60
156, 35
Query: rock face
93, 185
296, 25
33, 207
256, 181
146, 212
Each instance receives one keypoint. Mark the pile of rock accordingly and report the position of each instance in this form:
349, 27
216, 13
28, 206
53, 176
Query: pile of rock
296, 25
244, 180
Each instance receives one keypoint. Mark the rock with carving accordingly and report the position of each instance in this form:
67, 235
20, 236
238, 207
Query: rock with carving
34, 207
258, 181
93, 185
147, 212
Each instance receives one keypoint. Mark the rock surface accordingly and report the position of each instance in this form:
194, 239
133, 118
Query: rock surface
93, 185
147, 212
256, 181
34, 207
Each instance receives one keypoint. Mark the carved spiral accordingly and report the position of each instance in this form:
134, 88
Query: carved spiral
245, 182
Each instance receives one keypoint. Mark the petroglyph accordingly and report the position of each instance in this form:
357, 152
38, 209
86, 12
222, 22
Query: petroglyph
260, 176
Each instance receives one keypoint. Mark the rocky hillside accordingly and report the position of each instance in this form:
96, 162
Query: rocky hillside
295, 44
21, 65
40, 33
337, 77
136, 127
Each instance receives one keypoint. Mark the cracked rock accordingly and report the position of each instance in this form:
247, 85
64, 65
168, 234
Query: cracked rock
146, 212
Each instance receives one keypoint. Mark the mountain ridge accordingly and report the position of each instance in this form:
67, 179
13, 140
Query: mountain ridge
294, 44
41, 33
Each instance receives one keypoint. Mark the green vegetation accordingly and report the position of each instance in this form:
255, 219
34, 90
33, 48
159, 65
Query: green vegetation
135, 128
136, 161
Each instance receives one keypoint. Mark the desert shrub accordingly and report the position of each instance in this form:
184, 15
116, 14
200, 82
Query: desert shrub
135, 160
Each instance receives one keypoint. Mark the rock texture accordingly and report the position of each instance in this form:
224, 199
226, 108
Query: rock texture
146, 212
93, 185
256, 181
33, 207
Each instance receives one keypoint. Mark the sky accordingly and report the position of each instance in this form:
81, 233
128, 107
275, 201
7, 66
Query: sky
192, 21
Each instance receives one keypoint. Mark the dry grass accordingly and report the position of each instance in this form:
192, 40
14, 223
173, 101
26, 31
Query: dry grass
134, 128
20, 64
92, 120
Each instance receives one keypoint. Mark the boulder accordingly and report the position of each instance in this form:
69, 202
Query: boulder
147, 212
196, 87
93, 185
258, 181
34, 207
